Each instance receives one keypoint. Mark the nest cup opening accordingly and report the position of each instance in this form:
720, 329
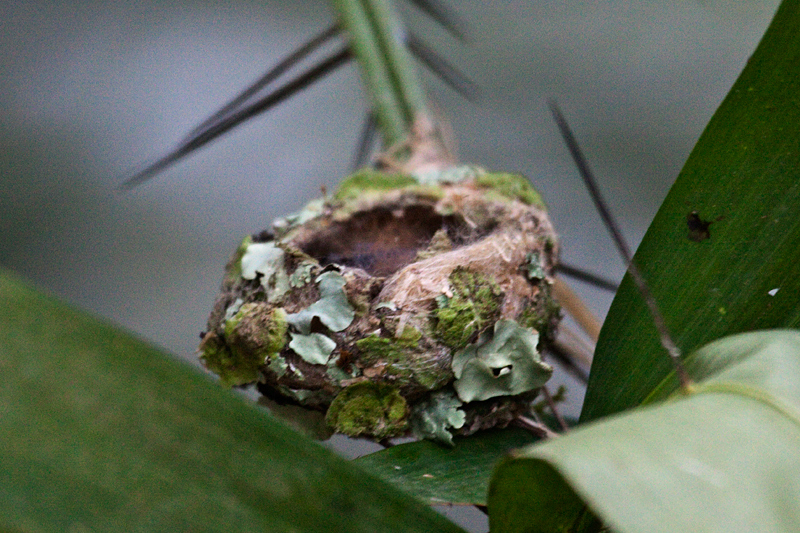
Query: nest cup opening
380, 241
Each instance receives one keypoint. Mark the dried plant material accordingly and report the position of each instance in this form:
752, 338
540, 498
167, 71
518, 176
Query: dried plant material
407, 302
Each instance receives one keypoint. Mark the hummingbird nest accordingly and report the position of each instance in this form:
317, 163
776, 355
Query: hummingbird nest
403, 303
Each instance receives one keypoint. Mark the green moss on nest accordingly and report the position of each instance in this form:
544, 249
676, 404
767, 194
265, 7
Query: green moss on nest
513, 186
376, 349
232, 369
254, 335
403, 361
474, 306
368, 409
540, 316
371, 180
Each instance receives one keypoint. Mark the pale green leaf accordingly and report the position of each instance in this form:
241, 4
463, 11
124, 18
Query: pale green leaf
722, 459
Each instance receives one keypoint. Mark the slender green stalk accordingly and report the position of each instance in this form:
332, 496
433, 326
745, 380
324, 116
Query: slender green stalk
392, 34
396, 93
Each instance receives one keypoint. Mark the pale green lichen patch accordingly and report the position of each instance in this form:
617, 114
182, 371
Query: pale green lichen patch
301, 275
340, 372
278, 366
503, 364
433, 417
315, 348
448, 175
232, 309
391, 306
474, 305
333, 309
514, 186
533, 267
352, 187
266, 260
312, 210
369, 409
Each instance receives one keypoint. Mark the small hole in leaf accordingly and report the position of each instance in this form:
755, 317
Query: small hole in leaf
501, 371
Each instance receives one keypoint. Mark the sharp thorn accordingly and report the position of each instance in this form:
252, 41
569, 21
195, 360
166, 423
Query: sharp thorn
445, 16
587, 277
274, 73
241, 115
444, 70
611, 224
568, 364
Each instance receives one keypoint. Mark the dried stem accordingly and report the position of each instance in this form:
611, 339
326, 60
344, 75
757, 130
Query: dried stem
575, 307
571, 344
534, 427
554, 409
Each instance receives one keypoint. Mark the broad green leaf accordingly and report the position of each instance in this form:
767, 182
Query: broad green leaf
441, 474
743, 181
721, 459
103, 432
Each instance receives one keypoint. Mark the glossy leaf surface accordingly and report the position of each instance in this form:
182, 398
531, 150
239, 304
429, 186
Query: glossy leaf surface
103, 432
721, 256
719, 460
440, 474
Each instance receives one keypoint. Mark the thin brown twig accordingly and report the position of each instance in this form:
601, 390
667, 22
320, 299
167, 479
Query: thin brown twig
554, 409
570, 343
534, 427
575, 307
591, 184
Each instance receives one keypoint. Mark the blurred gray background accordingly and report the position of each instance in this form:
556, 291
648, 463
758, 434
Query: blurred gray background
90, 90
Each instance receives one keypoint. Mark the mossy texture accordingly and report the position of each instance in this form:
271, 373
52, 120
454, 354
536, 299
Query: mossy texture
358, 304
255, 334
402, 361
371, 180
375, 348
474, 305
513, 186
231, 369
371, 409
543, 314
